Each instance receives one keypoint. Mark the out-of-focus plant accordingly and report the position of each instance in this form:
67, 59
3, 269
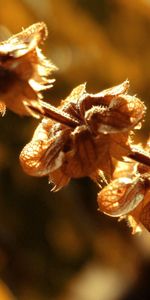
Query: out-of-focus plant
23, 69
86, 135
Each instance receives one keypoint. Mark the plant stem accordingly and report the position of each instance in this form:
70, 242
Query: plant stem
140, 156
50, 111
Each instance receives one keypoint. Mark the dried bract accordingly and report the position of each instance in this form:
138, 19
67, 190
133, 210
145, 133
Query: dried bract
87, 135
129, 196
23, 69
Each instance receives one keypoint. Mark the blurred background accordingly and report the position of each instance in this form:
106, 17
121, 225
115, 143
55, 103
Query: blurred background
57, 245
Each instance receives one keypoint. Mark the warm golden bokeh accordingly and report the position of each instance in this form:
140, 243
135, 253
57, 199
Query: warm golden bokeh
56, 245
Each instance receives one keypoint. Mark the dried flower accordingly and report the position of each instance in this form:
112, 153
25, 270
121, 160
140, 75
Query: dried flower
23, 69
128, 195
89, 132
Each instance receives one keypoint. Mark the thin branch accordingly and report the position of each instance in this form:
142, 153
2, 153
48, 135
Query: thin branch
50, 111
140, 156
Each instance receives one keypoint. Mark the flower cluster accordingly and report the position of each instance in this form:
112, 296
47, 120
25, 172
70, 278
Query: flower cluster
86, 135
23, 69
95, 131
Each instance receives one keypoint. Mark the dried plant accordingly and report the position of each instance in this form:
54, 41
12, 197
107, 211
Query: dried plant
89, 132
23, 69
86, 135
128, 194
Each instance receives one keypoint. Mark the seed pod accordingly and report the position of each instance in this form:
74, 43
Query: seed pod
24, 70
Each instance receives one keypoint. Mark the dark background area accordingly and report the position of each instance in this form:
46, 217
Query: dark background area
58, 245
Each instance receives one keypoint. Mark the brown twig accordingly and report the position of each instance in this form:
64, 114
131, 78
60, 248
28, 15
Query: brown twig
140, 156
50, 111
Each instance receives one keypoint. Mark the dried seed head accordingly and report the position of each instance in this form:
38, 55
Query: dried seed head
128, 194
78, 148
24, 69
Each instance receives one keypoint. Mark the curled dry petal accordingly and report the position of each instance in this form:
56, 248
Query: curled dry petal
123, 113
71, 104
103, 98
30, 156
43, 155
24, 69
140, 216
121, 196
